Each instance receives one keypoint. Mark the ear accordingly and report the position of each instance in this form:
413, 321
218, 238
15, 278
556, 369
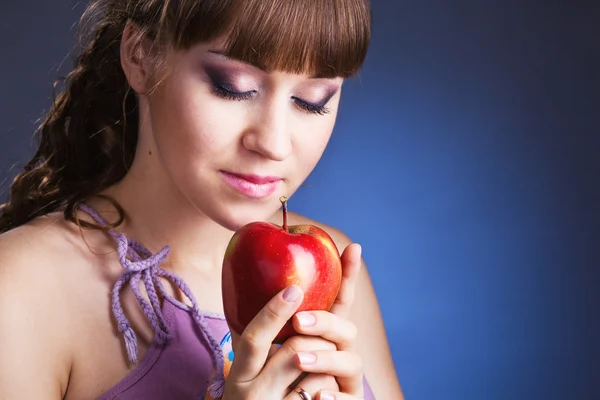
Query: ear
135, 58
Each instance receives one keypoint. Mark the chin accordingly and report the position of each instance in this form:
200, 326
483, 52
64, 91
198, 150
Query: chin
235, 216
234, 223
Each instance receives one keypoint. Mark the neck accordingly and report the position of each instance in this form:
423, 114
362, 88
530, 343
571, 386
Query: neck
156, 216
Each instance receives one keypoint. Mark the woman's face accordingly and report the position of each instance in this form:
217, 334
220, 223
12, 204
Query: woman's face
232, 138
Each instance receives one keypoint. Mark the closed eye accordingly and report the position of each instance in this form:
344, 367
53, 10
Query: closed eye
312, 108
225, 91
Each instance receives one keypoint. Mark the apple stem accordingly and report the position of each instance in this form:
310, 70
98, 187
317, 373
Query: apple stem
283, 201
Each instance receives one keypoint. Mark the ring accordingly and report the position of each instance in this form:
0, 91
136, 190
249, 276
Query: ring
303, 393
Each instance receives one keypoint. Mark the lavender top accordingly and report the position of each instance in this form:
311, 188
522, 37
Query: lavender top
190, 355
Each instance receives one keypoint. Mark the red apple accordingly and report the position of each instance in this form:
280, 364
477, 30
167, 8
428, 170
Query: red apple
263, 258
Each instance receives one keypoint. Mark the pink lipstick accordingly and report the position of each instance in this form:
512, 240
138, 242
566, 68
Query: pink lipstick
254, 186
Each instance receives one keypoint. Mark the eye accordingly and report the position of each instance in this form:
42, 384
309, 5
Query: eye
225, 91
311, 108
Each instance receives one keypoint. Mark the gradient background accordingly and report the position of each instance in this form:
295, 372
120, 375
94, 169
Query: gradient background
466, 161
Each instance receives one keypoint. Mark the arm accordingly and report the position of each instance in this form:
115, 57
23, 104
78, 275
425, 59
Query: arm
371, 343
32, 334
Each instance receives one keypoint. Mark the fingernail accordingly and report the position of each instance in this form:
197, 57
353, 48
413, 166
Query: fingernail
327, 396
292, 293
306, 319
307, 358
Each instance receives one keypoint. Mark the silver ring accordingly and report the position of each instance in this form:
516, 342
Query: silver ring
303, 393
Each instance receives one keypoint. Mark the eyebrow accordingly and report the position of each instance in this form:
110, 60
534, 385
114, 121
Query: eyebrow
261, 67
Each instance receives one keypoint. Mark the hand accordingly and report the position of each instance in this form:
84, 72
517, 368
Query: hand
333, 327
254, 374
259, 373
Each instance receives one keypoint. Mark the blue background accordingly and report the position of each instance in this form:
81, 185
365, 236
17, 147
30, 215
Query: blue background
466, 161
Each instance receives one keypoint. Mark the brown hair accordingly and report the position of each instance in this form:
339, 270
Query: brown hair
87, 140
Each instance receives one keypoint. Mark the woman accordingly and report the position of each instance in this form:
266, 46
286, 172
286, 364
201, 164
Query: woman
181, 122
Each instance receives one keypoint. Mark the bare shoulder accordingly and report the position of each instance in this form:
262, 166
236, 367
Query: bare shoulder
23, 248
34, 341
40, 255
51, 261
372, 343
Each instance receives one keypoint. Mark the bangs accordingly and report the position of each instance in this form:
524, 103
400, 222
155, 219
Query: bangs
316, 37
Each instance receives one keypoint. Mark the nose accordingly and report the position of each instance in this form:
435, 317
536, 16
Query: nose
268, 133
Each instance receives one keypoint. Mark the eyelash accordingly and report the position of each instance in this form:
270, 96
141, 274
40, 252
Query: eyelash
227, 93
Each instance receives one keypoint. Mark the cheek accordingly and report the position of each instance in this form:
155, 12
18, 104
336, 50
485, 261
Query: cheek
312, 140
188, 126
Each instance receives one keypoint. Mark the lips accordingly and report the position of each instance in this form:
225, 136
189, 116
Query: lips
260, 180
251, 185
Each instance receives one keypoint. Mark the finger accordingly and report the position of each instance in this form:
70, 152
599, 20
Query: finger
273, 350
235, 338
344, 365
328, 395
281, 366
351, 264
253, 345
312, 384
329, 326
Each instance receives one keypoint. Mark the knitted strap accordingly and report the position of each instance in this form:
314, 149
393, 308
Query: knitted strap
139, 264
